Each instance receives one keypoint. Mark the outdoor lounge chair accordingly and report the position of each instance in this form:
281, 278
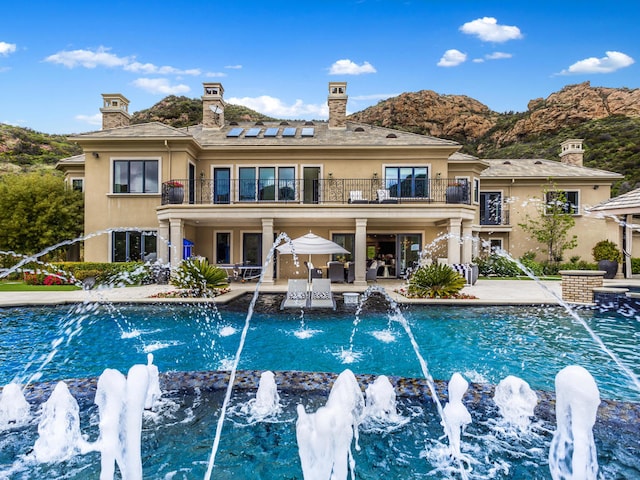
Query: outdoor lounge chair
384, 196
296, 296
355, 196
321, 295
336, 272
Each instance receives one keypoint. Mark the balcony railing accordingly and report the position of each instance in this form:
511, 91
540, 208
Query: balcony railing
322, 191
500, 218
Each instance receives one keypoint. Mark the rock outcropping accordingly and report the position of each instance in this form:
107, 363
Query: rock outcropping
467, 120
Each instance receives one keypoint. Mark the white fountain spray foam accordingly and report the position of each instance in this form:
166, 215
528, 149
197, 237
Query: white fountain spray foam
572, 453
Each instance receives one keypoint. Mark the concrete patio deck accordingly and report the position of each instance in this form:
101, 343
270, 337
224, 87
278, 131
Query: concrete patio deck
487, 292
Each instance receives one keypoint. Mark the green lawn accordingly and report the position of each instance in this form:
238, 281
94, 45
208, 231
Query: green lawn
9, 286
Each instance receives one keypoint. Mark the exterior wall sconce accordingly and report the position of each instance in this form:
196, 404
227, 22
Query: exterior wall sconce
438, 175
375, 175
201, 175
330, 175
595, 187
95, 154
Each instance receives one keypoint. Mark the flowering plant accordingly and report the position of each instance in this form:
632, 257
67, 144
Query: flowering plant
174, 184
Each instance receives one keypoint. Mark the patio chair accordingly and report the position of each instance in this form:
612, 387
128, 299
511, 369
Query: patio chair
372, 272
312, 271
297, 296
351, 272
336, 272
321, 295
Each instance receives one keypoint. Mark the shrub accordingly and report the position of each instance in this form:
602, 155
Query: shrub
200, 277
635, 265
606, 250
435, 280
497, 265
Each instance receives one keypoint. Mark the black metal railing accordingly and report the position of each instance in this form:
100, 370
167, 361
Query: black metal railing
316, 191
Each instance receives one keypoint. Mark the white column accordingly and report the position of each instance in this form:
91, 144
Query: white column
267, 244
361, 252
628, 244
453, 242
176, 235
162, 242
467, 242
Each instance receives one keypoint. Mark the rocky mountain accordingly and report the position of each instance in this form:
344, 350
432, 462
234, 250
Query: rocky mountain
183, 111
463, 118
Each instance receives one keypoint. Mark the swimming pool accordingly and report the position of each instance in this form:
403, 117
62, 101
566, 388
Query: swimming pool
485, 344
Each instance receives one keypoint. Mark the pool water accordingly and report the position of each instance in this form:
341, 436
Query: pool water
484, 344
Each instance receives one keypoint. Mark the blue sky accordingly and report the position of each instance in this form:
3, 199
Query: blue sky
277, 57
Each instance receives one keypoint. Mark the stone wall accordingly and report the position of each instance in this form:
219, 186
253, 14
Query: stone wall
578, 285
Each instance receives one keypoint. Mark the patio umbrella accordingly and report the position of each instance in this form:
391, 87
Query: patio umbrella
311, 244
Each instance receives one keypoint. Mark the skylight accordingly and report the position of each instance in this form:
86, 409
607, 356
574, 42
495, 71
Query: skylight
271, 132
307, 132
289, 132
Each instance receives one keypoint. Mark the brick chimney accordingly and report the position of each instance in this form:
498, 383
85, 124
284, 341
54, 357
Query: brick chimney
572, 152
115, 111
213, 105
337, 102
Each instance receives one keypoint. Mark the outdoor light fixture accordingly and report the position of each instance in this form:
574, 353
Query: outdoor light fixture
95, 155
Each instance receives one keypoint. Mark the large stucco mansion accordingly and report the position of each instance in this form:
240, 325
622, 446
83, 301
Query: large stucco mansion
225, 190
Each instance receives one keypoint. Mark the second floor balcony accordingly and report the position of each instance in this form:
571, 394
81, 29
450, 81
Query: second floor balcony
320, 191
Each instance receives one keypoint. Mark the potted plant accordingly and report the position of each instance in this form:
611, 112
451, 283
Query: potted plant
175, 191
607, 254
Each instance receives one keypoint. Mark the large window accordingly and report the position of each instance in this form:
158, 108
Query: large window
407, 182
223, 247
132, 246
221, 185
267, 184
252, 248
348, 242
135, 176
490, 208
568, 201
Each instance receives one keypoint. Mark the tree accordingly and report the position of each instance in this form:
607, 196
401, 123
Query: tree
38, 210
554, 221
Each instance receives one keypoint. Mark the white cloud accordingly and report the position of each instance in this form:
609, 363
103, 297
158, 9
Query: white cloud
233, 67
151, 69
215, 74
88, 58
488, 30
160, 86
492, 56
7, 48
102, 57
347, 67
90, 119
498, 56
612, 62
275, 107
452, 58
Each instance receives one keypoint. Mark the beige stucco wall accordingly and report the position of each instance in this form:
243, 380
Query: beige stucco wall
524, 197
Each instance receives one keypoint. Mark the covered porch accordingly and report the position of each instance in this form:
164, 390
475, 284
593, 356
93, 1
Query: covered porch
395, 234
